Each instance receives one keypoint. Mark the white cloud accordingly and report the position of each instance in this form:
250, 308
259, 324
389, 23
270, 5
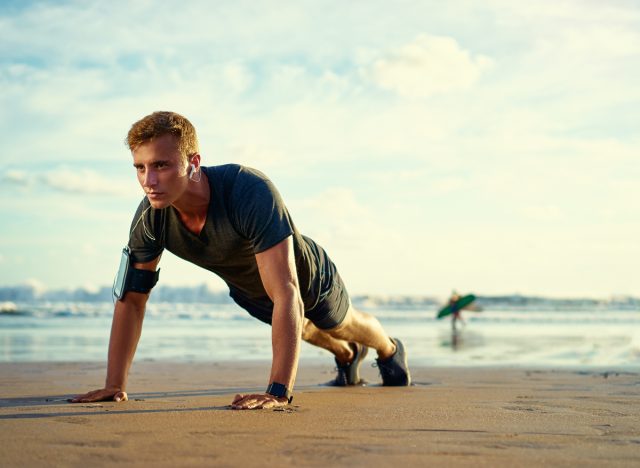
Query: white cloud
429, 65
549, 14
16, 177
38, 286
238, 77
257, 156
86, 181
344, 217
570, 55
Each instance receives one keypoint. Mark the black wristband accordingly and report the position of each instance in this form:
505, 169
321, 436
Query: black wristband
278, 390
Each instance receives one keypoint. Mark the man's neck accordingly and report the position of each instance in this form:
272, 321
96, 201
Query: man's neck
193, 205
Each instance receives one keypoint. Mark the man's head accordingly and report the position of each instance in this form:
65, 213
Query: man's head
164, 123
163, 144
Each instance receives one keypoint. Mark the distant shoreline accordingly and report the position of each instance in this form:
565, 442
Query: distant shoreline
203, 294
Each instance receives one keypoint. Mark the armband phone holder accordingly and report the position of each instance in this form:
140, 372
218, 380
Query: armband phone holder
129, 278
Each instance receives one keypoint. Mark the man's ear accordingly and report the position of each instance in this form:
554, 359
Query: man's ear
195, 160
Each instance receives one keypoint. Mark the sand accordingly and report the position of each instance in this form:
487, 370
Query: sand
178, 415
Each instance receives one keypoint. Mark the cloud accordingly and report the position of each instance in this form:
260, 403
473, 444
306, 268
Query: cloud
86, 181
237, 76
15, 177
427, 66
37, 285
344, 217
256, 155
548, 15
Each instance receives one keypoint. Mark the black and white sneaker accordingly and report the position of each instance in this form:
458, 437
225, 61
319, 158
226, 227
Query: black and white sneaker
395, 370
349, 374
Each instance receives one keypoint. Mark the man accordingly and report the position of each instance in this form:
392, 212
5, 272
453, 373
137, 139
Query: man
455, 315
231, 220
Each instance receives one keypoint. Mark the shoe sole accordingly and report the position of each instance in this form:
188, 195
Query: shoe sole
357, 360
406, 363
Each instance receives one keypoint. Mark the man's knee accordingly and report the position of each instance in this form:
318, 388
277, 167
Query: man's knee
308, 330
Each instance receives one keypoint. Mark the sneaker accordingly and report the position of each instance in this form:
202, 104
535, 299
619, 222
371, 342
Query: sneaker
394, 370
349, 374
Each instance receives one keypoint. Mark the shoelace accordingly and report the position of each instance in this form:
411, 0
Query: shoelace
342, 376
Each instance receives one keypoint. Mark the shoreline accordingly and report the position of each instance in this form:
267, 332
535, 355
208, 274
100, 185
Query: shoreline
178, 415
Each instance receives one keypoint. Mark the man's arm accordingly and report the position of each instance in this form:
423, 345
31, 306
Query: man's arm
126, 328
278, 273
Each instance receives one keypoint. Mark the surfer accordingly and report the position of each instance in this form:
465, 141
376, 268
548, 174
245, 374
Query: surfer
455, 310
454, 307
231, 220
456, 315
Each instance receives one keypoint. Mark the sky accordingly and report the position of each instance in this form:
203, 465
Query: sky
489, 147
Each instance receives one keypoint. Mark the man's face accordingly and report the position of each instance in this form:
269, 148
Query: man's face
161, 170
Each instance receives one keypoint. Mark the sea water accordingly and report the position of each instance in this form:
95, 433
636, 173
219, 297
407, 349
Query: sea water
73, 332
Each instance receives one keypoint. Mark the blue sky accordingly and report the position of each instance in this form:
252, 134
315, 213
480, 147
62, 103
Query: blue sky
485, 146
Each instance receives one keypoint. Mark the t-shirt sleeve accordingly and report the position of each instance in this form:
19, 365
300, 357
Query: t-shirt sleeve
258, 212
146, 238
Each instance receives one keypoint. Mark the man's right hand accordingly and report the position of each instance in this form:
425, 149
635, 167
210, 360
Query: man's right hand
126, 327
103, 394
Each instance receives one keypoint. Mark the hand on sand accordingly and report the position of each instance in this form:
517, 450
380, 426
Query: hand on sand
258, 401
103, 394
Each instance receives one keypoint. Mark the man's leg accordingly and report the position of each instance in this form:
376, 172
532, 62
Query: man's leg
363, 328
317, 337
357, 327
349, 342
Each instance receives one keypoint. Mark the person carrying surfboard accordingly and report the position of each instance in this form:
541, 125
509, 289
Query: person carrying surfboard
455, 315
454, 307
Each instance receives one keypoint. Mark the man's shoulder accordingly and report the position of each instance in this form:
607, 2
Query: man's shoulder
235, 176
232, 169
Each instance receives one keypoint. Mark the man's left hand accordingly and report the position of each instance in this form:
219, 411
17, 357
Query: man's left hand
258, 401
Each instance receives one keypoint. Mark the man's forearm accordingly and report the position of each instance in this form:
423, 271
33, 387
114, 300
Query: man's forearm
286, 337
125, 334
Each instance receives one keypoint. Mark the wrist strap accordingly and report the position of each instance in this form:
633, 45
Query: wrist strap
278, 390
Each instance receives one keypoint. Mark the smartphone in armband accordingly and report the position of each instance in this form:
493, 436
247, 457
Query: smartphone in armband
119, 285
133, 279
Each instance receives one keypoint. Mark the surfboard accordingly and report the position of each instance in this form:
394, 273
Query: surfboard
460, 304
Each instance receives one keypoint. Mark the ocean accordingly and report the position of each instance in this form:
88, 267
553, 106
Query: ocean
186, 332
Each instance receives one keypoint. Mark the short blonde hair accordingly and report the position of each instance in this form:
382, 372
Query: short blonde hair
163, 123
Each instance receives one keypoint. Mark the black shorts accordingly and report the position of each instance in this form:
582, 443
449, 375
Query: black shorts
331, 310
328, 313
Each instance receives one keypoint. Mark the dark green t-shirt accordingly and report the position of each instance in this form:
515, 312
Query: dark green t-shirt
246, 216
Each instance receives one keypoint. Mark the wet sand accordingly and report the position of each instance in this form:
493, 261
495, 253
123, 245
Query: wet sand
178, 415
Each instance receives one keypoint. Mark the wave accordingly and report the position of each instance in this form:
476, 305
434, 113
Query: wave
231, 312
